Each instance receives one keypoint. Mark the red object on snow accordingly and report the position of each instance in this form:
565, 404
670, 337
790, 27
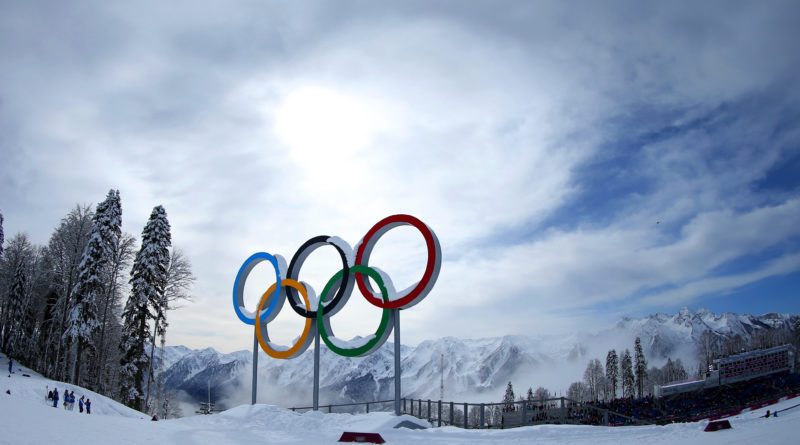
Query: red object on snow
718, 425
349, 436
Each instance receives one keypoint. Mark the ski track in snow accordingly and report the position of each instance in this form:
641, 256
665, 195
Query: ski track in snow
26, 418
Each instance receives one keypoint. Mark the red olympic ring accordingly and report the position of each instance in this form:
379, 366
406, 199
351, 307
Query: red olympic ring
424, 286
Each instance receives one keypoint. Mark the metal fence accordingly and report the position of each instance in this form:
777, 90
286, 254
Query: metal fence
352, 408
508, 415
492, 415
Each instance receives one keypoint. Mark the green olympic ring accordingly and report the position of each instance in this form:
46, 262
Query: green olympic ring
369, 343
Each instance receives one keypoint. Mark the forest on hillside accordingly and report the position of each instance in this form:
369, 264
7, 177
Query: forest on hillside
90, 306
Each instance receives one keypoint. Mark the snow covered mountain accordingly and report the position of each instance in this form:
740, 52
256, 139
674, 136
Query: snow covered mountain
471, 370
665, 334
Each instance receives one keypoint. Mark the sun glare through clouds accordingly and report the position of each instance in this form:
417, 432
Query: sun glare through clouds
320, 124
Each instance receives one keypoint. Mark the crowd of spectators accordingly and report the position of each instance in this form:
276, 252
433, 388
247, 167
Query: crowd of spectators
704, 403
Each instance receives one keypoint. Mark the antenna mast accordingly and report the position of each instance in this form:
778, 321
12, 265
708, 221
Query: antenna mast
441, 374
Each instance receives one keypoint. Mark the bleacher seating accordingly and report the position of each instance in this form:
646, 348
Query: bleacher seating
705, 403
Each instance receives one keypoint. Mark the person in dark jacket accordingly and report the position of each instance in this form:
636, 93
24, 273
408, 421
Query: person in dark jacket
55, 397
80, 404
88, 407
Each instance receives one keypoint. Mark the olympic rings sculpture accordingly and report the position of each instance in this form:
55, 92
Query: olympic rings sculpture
354, 273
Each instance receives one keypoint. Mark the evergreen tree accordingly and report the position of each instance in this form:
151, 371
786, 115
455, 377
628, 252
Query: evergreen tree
612, 373
15, 308
1, 236
640, 367
529, 396
15, 276
83, 324
508, 398
626, 374
23, 287
148, 280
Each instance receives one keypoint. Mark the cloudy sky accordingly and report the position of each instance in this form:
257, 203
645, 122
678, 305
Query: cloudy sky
579, 161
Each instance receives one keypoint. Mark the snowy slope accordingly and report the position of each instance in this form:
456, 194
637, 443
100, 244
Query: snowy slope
34, 389
26, 419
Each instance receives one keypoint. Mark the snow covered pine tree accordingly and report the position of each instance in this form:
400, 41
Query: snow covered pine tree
612, 374
639, 367
148, 279
626, 374
82, 321
508, 398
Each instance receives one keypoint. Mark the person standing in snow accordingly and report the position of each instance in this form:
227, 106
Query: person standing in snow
88, 407
72, 400
55, 397
10, 365
80, 404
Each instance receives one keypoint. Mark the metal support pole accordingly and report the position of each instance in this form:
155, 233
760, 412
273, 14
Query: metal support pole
396, 319
525, 412
429, 410
563, 412
316, 370
483, 415
466, 417
452, 408
254, 386
439, 416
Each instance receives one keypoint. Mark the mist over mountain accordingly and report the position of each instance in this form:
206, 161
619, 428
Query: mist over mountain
470, 369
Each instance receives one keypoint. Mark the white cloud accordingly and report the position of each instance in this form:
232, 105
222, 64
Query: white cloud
692, 290
482, 122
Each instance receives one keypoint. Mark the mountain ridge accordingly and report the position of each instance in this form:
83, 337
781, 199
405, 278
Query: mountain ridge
471, 369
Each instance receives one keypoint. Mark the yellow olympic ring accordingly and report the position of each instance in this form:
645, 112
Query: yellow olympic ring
304, 337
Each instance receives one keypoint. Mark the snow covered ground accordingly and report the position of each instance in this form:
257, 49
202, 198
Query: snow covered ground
26, 418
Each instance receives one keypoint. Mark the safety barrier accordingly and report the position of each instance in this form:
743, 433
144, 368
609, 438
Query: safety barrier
559, 410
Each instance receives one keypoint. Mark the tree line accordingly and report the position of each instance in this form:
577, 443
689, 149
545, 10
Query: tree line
631, 376
627, 373
89, 308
